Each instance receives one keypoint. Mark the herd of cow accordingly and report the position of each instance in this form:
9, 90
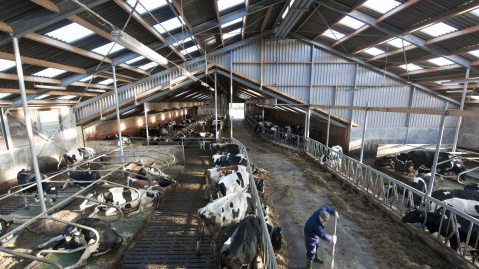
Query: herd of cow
229, 181
142, 187
288, 134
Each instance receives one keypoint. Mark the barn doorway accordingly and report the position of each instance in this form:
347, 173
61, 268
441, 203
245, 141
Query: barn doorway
237, 111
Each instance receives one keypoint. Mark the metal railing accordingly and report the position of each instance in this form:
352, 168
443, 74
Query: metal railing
269, 259
390, 192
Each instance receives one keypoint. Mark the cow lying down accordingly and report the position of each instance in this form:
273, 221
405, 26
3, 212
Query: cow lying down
126, 198
81, 238
4, 226
221, 213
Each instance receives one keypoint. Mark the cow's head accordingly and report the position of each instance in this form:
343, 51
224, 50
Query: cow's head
52, 191
74, 237
87, 203
4, 226
414, 216
275, 236
70, 159
250, 209
260, 185
150, 196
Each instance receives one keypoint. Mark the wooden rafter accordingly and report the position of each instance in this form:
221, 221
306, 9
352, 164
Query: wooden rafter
244, 19
372, 44
7, 76
358, 4
101, 75
180, 9
409, 61
266, 17
145, 24
452, 35
307, 18
218, 18
445, 78
429, 70
365, 27
28, 91
33, 61
90, 26
5, 27
449, 14
396, 10
453, 87
47, 4
393, 52
331, 25
463, 50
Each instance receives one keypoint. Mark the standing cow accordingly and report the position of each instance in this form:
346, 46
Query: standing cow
221, 213
463, 200
237, 182
213, 175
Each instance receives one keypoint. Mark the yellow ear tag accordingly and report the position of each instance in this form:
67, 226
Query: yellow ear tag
420, 215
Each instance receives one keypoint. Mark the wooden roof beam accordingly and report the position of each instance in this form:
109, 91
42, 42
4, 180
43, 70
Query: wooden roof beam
449, 14
452, 35
372, 44
365, 27
453, 87
409, 61
393, 52
446, 78
37, 62
266, 17
307, 18
429, 70
7, 76
218, 18
179, 8
396, 10
244, 19
5, 27
29, 91
101, 75
47, 4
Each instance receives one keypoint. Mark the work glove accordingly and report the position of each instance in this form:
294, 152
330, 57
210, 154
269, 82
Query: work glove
335, 238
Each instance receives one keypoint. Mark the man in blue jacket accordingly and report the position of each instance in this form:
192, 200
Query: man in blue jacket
313, 230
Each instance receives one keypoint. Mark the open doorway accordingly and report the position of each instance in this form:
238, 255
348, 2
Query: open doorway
237, 111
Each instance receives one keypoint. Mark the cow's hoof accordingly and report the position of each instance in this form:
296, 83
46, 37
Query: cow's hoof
198, 253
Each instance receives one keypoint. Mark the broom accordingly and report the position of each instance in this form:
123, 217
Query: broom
334, 244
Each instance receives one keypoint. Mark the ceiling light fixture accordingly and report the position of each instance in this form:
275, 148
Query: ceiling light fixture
50, 87
132, 44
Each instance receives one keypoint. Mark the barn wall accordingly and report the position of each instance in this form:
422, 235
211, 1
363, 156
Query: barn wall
18, 158
470, 133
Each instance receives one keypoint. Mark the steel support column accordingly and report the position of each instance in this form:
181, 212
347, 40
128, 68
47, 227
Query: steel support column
117, 101
329, 125
146, 125
459, 120
231, 94
364, 132
408, 121
28, 126
216, 108
438, 148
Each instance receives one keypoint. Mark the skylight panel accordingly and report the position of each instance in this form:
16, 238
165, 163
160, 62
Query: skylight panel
43, 96
287, 9
66, 97
135, 59
411, 67
103, 50
333, 34
351, 22
3, 95
71, 32
6, 64
129, 111
441, 61
189, 50
445, 83
475, 12
398, 43
87, 79
148, 66
475, 53
225, 4
49, 72
231, 22
148, 4
106, 81
438, 29
169, 25
232, 33
188, 39
381, 6
374, 51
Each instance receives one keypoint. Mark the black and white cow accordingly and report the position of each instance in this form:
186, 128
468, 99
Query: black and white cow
126, 198
472, 187
28, 176
220, 160
150, 173
221, 213
433, 221
213, 175
258, 127
333, 158
425, 158
420, 183
77, 237
237, 182
82, 176
78, 155
232, 149
464, 200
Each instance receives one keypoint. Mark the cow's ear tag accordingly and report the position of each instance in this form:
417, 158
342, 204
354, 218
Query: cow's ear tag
420, 214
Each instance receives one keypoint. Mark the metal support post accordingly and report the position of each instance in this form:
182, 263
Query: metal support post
146, 125
329, 125
459, 120
262, 114
28, 126
408, 121
216, 109
118, 117
364, 132
438, 148
231, 94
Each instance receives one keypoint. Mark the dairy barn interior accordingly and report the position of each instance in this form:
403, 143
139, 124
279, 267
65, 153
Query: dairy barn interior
117, 114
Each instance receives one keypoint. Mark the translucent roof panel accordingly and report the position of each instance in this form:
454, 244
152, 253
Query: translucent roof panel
87, 79
374, 51
6, 64
398, 43
148, 66
441, 61
475, 53
287, 9
231, 33
103, 50
135, 59
129, 111
445, 83
231, 22
49, 72
169, 25
381, 6
350, 22
183, 41
475, 12
148, 4
3, 95
71, 32
438, 29
333, 34
43, 96
225, 4
66, 97
106, 81
411, 67
189, 50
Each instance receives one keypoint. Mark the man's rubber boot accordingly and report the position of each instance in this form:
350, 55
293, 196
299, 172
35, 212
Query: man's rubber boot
317, 258
309, 264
